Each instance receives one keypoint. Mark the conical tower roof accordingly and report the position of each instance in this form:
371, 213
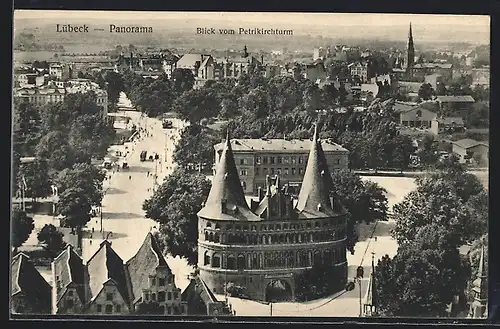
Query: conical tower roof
314, 197
480, 285
226, 200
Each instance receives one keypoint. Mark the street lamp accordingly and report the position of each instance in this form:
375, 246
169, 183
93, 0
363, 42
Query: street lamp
359, 275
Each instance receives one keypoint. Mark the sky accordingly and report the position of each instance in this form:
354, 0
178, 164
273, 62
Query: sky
472, 26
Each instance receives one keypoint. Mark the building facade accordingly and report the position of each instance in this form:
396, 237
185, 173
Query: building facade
470, 151
416, 117
264, 246
257, 158
443, 125
360, 70
455, 103
30, 293
105, 285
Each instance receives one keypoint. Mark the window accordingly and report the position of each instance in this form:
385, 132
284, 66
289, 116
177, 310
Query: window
161, 282
169, 295
169, 280
301, 171
337, 161
272, 160
301, 159
278, 171
243, 172
176, 295
257, 171
109, 296
257, 160
265, 171
242, 162
294, 171
70, 293
169, 309
272, 171
153, 282
280, 160
286, 160
264, 160
118, 308
286, 172
161, 296
99, 308
109, 309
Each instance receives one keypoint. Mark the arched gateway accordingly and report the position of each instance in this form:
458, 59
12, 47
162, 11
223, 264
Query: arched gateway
278, 291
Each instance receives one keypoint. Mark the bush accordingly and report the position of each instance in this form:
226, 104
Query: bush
234, 290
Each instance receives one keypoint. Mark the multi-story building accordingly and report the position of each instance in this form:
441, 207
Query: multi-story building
56, 91
415, 116
30, 80
419, 71
360, 70
265, 246
61, 71
481, 77
455, 103
30, 293
258, 158
443, 125
108, 286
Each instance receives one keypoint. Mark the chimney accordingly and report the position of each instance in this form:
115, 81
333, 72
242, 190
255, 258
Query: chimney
262, 59
260, 194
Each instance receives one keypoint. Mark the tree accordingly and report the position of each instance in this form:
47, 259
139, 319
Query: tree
85, 177
433, 202
195, 146
52, 239
428, 151
425, 91
441, 89
22, 225
27, 124
423, 278
183, 80
174, 206
196, 104
365, 201
54, 148
114, 85
75, 206
36, 175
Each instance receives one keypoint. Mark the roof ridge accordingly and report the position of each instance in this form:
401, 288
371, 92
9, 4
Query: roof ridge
69, 266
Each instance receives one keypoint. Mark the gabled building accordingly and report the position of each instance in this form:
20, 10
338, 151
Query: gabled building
202, 301
264, 246
360, 70
105, 285
442, 125
415, 116
30, 293
455, 103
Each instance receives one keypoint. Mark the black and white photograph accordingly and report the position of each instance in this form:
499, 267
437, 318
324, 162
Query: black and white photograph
249, 164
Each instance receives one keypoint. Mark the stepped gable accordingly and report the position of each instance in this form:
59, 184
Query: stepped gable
70, 270
314, 200
226, 200
144, 263
28, 282
276, 204
106, 265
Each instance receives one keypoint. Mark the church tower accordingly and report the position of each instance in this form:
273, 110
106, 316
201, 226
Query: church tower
245, 52
411, 50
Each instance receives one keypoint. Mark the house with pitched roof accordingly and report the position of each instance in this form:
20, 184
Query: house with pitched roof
455, 103
264, 246
202, 301
471, 151
447, 125
105, 285
30, 293
414, 115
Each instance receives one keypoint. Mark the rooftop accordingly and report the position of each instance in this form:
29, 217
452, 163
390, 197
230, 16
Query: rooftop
281, 145
450, 120
467, 143
455, 99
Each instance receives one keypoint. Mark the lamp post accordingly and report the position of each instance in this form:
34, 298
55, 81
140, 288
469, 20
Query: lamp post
100, 213
357, 279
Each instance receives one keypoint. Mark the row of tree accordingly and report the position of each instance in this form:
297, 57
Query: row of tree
449, 209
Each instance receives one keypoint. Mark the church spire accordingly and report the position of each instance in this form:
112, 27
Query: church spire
480, 288
226, 194
411, 49
314, 198
370, 303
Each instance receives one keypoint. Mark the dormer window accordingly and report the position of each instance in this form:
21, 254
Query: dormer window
319, 207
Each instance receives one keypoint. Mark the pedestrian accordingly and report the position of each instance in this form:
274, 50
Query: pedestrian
375, 239
92, 230
129, 177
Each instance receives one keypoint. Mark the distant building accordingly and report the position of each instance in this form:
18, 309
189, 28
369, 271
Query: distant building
56, 91
455, 103
471, 151
30, 293
108, 286
433, 80
410, 60
61, 71
30, 80
421, 70
360, 70
480, 77
258, 158
319, 53
415, 116
315, 72
169, 64
447, 125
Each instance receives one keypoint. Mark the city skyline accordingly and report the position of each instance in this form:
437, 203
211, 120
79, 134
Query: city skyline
427, 28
